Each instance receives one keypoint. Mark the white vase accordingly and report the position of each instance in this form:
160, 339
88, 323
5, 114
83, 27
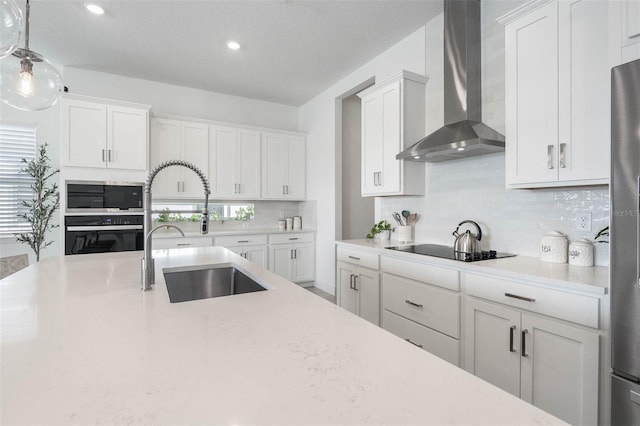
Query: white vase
384, 235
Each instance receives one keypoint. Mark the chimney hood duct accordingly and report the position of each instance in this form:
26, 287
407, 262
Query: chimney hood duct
464, 134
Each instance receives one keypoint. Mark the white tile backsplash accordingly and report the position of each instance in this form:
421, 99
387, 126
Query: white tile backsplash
511, 220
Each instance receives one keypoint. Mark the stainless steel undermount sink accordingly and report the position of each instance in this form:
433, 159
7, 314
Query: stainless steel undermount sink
203, 282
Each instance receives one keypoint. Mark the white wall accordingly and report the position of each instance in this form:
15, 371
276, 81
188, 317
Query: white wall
474, 188
318, 118
163, 98
463, 189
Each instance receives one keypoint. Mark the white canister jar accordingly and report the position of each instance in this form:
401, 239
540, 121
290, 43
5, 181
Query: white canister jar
553, 247
581, 253
297, 222
289, 221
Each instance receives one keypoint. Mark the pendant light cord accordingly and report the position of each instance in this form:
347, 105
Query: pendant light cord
26, 30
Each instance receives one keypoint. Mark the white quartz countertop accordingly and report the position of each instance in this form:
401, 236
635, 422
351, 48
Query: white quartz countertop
594, 279
80, 344
172, 233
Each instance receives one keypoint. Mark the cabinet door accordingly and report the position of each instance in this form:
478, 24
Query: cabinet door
531, 75
372, 143
165, 145
584, 90
367, 285
84, 133
195, 150
223, 161
347, 296
247, 175
257, 255
392, 138
280, 260
560, 369
275, 160
304, 261
296, 180
127, 136
492, 344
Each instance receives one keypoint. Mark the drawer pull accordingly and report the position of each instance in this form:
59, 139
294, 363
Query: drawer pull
294, 238
354, 258
511, 330
515, 296
243, 241
523, 349
413, 343
183, 244
417, 305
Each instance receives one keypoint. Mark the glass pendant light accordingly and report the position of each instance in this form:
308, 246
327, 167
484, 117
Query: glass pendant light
10, 27
27, 80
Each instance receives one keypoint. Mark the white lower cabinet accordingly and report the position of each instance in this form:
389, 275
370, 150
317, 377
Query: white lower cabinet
548, 363
292, 256
252, 247
359, 291
421, 304
181, 242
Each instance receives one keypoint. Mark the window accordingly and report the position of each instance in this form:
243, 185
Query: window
16, 143
182, 211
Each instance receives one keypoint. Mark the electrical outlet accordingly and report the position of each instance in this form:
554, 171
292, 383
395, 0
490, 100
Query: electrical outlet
583, 222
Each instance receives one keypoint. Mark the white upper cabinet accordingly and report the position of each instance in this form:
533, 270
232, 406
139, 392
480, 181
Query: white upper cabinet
283, 166
557, 94
392, 120
179, 140
104, 134
624, 23
234, 162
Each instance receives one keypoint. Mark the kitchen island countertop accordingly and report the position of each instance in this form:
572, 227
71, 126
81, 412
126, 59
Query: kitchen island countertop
80, 344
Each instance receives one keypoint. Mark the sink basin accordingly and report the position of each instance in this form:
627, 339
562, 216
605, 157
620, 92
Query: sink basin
203, 282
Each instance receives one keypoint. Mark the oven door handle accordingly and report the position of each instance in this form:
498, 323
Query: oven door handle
104, 228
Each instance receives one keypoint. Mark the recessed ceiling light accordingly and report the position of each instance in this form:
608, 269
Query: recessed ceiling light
417, 157
95, 9
460, 149
233, 45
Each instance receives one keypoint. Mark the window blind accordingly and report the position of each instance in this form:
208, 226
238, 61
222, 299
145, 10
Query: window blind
16, 143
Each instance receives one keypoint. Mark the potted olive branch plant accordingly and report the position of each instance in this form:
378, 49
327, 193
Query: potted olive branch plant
44, 204
381, 230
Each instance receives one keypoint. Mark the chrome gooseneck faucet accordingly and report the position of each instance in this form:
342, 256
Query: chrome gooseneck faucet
148, 269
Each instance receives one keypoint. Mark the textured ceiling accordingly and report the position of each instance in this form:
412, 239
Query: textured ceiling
291, 50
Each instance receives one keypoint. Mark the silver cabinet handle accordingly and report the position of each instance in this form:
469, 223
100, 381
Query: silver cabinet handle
380, 179
549, 156
409, 302
563, 161
294, 238
287, 187
523, 349
511, 330
413, 343
515, 296
104, 155
183, 244
178, 182
294, 255
634, 36
182, 186
242, 241
109, 158
351, 281
353, 257
355, 282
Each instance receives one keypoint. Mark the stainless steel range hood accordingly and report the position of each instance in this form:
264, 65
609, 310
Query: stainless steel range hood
464, 134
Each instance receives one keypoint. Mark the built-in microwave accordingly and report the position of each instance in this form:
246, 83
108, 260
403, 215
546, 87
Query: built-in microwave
104, 197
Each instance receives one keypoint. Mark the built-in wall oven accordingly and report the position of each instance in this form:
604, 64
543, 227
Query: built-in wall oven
103, 217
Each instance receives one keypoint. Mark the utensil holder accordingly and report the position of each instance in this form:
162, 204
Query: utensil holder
404, 233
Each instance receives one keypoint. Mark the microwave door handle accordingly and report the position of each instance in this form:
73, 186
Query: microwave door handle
104, 228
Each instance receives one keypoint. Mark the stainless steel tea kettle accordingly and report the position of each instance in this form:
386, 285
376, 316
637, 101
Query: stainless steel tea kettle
467, 242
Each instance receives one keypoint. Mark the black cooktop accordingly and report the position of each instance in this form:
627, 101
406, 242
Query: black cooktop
446, 252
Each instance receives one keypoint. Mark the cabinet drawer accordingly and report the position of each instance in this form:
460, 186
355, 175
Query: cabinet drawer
240, 240
572, 307
438, 344
185, 242
356, 257
434, 275
430, 306
287, 238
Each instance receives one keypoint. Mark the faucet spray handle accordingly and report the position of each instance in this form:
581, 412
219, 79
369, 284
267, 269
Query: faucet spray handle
204, 223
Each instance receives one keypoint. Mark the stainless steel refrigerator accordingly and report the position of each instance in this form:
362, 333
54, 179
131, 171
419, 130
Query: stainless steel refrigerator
625, 244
